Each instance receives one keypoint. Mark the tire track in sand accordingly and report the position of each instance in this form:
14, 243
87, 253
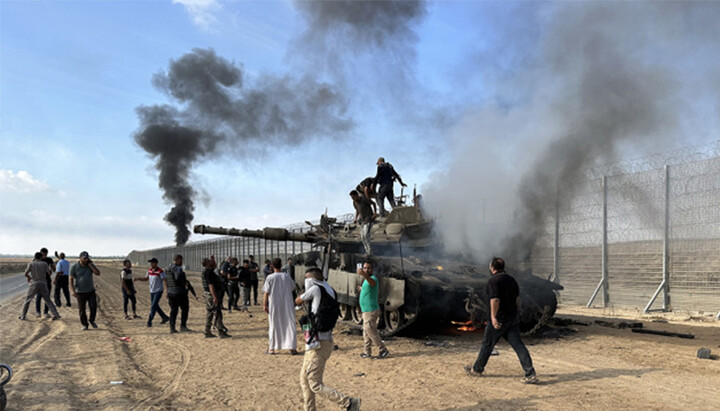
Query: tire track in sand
171, 386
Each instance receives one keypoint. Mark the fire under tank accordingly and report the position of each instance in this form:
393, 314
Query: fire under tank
418, 289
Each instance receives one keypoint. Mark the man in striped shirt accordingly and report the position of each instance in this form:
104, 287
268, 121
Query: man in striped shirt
155, 276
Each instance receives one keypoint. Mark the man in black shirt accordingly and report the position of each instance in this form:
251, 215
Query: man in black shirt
233, 288
384, 179
254, 269
212, 287
244, 276
364, 215
504, 299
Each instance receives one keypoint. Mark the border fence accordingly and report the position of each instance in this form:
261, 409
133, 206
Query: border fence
648, 239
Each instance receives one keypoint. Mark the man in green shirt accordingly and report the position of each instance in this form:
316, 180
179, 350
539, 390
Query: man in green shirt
370, 311
83, 288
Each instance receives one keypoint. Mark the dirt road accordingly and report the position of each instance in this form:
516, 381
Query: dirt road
59, 366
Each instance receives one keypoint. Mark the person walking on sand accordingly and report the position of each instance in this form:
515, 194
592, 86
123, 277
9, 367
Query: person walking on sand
278, 303
36, 274
313, 368
48, 280
83, 288
62, 280
212, 288
504, 300
155, 276
370, 311
128, 289
177, 291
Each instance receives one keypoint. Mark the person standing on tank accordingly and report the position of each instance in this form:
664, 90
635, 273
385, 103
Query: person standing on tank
83, 288
364, 215
384, 179
370, 311
504, 300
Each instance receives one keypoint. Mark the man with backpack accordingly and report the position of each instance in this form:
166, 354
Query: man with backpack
323, 313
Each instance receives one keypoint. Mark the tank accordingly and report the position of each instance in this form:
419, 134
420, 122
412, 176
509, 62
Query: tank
419, 285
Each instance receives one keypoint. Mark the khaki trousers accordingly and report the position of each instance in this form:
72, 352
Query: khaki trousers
38, 288
311, 377
370, 331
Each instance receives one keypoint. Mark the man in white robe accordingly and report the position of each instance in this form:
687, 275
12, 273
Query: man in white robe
278, 303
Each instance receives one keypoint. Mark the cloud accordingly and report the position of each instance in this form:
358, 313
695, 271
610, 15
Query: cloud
21, 182
202, 11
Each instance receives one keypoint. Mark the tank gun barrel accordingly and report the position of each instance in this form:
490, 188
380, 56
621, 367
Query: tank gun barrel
267, 233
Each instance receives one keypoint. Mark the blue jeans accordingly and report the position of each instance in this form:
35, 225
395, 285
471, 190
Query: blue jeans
511, 333
155, 307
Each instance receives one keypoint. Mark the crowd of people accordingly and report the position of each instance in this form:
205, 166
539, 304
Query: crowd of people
280, 299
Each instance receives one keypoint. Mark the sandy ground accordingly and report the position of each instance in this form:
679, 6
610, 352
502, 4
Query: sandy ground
58, 366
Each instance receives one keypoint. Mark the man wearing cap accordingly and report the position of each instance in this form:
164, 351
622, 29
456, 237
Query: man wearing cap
36, 273
83, 288
155, 276
384, 179
212, 286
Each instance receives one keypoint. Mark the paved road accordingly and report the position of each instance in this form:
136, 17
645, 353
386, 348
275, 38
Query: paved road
12, 285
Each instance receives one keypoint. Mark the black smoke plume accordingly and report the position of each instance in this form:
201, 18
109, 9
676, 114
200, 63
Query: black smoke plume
218, 113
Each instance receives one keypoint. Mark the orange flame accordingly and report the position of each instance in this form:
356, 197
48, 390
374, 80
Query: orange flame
466, 326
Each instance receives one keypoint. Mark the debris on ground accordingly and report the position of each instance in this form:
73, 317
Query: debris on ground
620, 325
703, 353
360, 374
352, 331
564, 322
663, 333
440, 344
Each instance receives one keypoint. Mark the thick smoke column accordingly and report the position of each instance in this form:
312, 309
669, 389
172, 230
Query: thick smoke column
602, 78
220, 113
368, 48
361, 24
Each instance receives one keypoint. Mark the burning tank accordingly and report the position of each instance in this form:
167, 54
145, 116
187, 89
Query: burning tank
418, 285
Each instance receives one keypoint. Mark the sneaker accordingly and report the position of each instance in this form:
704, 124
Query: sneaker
149, 325
210, 335
38, 315
184, 329
57, 317
127, 317
383, 354
47, 315
469, 371
165, 320
173, 330
225, 335
533, 379
21, 317
354, 404
93, 324
136, 316
364, 355
84, 327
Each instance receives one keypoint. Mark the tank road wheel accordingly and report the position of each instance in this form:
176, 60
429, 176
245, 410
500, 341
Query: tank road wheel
394, 319
356, 315
344, 312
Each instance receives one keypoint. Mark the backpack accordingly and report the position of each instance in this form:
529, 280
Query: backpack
327, 314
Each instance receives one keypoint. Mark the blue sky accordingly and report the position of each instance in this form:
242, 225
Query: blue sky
73, 72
